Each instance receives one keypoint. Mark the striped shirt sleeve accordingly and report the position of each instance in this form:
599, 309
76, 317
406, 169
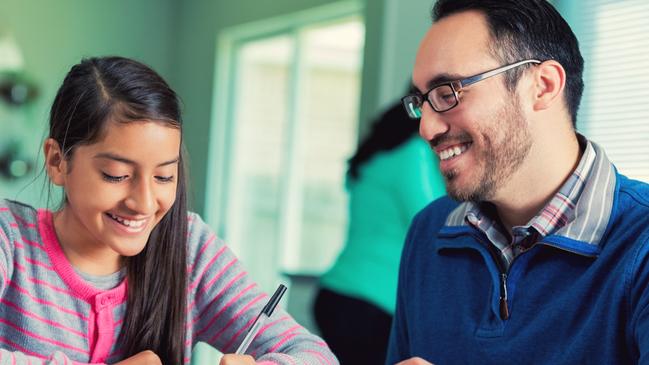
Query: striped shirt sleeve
6, 244
224, 301
20, 358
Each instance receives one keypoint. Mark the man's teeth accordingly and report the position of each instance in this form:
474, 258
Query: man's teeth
452, 152
127, 222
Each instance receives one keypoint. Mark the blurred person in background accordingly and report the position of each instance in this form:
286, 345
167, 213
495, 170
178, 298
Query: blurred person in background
390, 178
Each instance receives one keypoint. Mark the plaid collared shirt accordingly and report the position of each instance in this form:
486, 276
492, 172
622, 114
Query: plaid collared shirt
556, 214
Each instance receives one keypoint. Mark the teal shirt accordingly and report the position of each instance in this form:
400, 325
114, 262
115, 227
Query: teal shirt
393, 186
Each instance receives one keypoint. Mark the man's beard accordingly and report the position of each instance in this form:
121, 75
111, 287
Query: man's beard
500, 156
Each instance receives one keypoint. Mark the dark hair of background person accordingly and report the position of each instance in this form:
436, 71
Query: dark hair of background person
99, 91
390, 130
524, 29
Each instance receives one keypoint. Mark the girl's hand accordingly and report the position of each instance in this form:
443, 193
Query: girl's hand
143, 358
232, 359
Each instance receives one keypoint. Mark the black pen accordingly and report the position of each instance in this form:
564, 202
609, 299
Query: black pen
261, 319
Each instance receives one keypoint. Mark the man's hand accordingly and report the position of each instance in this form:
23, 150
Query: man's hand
232, 359
414, 361
143, 358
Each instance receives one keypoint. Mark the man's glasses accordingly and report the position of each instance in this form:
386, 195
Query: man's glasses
445, 96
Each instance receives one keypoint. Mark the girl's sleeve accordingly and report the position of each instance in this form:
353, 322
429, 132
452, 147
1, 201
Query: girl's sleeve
224, 302
19, 358
6, 251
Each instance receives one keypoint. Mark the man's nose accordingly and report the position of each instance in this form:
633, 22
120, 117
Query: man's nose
432, 123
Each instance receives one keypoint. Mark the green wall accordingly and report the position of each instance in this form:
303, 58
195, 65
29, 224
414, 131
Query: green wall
54, 35
394, 29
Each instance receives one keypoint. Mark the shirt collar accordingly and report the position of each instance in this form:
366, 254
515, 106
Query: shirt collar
580, 210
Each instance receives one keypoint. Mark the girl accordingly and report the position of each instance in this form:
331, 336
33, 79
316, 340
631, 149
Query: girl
122, 273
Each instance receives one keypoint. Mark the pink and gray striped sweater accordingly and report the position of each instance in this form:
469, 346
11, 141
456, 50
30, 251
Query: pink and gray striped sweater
52, 314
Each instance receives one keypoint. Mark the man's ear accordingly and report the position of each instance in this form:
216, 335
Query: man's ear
549, 83
55, 163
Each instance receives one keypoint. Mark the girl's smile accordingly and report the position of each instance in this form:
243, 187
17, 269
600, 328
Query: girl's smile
117, 191
129, 226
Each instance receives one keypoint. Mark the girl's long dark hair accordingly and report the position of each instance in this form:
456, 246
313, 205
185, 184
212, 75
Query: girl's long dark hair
115, 89
390, 130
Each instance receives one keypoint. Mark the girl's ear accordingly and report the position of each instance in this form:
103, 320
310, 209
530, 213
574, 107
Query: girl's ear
55, 163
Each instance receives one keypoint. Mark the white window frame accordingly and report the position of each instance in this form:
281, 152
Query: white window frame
222, 114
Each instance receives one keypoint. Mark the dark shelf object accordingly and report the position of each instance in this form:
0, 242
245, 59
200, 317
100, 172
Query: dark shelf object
16, 90
12, 166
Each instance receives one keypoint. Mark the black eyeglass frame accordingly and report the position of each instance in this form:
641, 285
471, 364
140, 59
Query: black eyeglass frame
413, 102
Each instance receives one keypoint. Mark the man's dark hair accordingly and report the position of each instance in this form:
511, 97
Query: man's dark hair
524, 29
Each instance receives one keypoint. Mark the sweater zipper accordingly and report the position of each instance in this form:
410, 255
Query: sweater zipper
504, 308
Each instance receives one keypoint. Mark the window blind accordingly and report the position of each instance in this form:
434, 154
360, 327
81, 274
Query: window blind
614, 38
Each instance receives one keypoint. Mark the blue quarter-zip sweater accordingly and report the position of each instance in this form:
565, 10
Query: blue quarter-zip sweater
580, 296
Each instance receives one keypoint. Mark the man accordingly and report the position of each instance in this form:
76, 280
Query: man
541, 258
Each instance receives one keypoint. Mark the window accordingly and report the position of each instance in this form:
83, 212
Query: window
284, 125
614, 112
290, 126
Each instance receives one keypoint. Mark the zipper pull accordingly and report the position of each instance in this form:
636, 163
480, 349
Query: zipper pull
504, 309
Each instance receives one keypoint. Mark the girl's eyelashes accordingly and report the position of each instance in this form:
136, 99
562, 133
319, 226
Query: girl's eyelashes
116, 179
113, 179
165, 179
